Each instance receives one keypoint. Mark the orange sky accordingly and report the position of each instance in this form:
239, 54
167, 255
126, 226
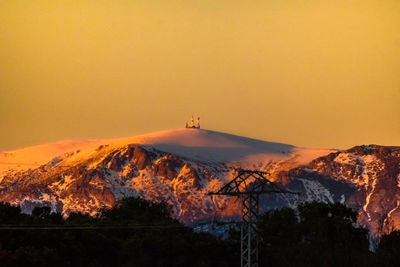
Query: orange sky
308, 73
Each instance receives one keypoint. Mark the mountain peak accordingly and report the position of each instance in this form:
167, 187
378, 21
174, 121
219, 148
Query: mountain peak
208, 145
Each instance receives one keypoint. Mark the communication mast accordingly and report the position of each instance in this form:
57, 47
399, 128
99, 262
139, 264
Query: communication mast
192, 125
248, 185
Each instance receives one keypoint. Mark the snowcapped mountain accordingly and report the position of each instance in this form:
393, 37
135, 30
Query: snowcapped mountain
181, 166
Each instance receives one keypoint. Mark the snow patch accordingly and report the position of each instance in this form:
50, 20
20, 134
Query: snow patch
315, 191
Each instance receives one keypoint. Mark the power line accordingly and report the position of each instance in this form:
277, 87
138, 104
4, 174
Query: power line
90, 227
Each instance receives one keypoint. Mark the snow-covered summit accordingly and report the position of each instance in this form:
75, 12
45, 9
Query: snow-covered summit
207, 145
195, 144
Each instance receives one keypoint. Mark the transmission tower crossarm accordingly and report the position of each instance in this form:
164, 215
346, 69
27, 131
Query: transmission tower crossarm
248, 185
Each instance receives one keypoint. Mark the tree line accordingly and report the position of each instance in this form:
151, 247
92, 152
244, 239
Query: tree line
137, 232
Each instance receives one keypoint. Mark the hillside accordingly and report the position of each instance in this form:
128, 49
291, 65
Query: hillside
181, 166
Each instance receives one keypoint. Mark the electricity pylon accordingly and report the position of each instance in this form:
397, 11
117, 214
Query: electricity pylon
248, 185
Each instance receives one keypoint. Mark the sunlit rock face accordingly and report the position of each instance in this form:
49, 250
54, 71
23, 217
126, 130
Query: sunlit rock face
180, 167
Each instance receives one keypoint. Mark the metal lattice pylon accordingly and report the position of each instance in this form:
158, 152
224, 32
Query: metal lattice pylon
248, 185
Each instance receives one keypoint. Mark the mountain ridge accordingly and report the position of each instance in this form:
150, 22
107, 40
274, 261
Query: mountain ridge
179, 141
180, 167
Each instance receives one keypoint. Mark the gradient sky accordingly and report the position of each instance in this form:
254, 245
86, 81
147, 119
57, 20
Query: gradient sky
308, 73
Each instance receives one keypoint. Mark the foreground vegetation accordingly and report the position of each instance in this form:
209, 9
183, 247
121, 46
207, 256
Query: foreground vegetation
137, 232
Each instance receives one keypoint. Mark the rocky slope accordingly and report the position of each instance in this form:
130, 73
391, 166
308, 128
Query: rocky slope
373, 172
180, 167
